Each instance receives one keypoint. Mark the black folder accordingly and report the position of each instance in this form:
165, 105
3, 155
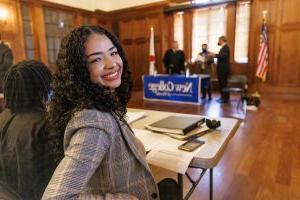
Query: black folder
176, 124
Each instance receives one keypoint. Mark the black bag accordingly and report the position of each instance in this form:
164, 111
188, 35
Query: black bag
168, 189
251, 100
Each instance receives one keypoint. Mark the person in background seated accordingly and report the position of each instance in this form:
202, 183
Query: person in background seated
174, 60
223, 68
100, 157
25, 164
205, 63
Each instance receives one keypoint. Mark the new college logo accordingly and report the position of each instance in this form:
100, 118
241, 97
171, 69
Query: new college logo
172, 88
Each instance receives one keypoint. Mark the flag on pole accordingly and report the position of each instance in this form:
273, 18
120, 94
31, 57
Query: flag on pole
262, 61
151, 53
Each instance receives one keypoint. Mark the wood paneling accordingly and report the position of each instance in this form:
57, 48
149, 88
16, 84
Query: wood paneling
187, 34
290, 11
283, 20
133, 27
13, 33
289, 59
38, 24
134, 33
12, 30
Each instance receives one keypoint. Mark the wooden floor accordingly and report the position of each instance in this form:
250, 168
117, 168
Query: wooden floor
262, 161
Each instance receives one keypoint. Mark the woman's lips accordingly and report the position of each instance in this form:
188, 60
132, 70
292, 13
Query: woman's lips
111, 77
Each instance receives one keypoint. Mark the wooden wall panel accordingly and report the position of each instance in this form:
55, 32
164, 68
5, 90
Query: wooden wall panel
134, 33
167, 29
12, 30
255, 29
187, 34
290, 11
39, 34
283, 32
289, 60
141, 51
125, 29
127, 41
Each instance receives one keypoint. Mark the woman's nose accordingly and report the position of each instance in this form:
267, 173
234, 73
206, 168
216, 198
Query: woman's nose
109, 62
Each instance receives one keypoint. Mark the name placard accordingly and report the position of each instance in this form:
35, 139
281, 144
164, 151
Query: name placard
172, 88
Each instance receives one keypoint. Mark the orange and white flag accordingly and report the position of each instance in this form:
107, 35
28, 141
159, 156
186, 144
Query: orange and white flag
151, 53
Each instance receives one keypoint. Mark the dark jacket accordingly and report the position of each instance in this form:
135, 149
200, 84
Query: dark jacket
6, 57
174, 61
223, 66
25, 163
6, 61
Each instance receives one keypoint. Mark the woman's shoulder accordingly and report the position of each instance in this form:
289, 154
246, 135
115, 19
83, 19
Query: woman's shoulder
92, 118
91, 114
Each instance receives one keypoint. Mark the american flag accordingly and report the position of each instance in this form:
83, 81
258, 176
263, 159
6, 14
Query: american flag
262, 60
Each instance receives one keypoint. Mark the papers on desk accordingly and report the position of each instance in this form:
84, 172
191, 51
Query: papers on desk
170, 159
134, 116
149, 140
164, 152
200, 58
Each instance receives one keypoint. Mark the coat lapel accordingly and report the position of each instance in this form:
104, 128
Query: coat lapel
129, 138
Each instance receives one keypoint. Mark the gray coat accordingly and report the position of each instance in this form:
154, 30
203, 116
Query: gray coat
101, 162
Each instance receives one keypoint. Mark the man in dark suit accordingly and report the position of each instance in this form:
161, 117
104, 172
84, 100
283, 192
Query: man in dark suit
223, 68
174, 60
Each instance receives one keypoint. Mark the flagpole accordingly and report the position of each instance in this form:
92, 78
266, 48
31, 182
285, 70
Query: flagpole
260, 80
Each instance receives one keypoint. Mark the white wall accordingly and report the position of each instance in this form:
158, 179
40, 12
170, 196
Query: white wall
119, 4
106, 5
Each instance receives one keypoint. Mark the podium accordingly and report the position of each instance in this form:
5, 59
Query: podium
176, 88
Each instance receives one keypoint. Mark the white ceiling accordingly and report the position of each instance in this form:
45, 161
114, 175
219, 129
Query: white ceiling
106, 5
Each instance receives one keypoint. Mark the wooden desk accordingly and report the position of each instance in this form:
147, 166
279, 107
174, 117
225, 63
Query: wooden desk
209, 156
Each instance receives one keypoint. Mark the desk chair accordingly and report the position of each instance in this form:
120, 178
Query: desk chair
237, 84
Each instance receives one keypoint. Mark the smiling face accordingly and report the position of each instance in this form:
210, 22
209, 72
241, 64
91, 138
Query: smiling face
104, 62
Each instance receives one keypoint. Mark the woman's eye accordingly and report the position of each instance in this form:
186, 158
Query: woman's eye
96, 60
114, 53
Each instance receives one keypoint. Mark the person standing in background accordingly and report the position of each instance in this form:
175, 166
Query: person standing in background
174, 60
6, 61
223, 68
205, 63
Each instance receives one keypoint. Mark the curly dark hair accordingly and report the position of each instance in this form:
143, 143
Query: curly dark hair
26, 86
73, 89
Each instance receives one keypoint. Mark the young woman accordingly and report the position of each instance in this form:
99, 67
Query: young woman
100, 158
